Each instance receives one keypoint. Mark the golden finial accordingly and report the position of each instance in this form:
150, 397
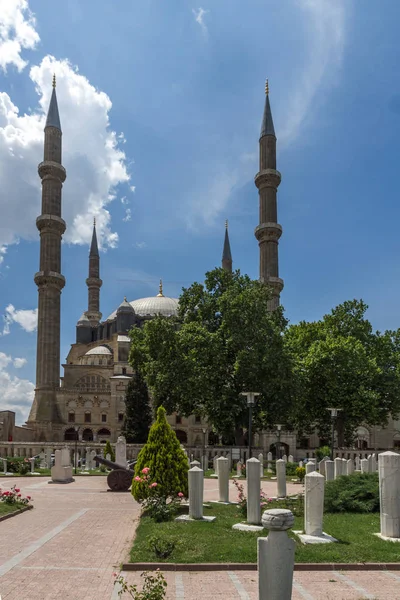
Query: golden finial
226, 224
266, 87
160, 292
54, 80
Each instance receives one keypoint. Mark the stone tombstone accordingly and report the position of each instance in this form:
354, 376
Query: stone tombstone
239, 466
310, 467
61, 473
196, 491
48, 454
261, 459
321, 466
290, 458
350, 466
108, 456
275, 562
215, 464
314, 487
300, 463
284, 457
281, 478
364, 465
42, 458
223, 479
358, 466
204, 462
65, 457
338, 467
330, 470
269, 464
32, 465
253, 491
389, 494
88, 465
120, 452
93, 464
4, 465
373, 464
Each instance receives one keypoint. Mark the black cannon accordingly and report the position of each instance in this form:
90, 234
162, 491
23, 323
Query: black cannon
120, 478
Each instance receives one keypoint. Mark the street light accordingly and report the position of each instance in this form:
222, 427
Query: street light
278, 433
334, 415
76, 427
251, 400
204, 449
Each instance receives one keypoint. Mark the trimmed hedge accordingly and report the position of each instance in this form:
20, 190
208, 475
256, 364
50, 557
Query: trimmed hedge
357, 493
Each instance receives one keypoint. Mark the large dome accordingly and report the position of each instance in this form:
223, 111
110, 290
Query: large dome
151, 307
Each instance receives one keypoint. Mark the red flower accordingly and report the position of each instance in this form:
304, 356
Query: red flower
19, 495
28, 497
17, 490
180, 494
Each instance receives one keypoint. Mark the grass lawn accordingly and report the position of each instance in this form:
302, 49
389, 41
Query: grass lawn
217, 542
6, 509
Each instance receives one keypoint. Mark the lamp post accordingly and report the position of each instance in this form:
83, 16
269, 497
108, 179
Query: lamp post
76, 445
278, 433
251, 400
204, 449
334, 414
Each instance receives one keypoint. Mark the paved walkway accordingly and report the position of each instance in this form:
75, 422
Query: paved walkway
69, 546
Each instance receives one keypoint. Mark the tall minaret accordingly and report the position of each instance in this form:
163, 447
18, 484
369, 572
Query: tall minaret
94, 282
226, 253
268, 231
45, 413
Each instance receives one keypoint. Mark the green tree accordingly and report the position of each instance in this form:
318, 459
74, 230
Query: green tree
339, 361
165, 459
224, 341
108, 449
138, 417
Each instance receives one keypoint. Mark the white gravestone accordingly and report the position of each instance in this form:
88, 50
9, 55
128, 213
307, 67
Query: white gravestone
239, 469
321, 466
42, 458
358, 466
330, 470
120, 452
93, 464
284, 457
389, 494
65, 457
223, 479
261, 459
253, 491
48, 454
4, 465
313, 503
291, 459
310, 467
350, 466
108, 456
300, 463
60, 473
87, 460
364, 465
275, 560
281, 478
338, 467
194, 463
269, 464
196, 493
373, 463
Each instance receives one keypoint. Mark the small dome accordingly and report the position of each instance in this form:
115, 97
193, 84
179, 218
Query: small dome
83, 321
125, 307
99, 351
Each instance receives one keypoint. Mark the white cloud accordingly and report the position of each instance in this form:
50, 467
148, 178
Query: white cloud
128, 215
3, 250
27, 319
325, 22
17, 32
199, 14
19, 362
15, 394
140, 245
91, 155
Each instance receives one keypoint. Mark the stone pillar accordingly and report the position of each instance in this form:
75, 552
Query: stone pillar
223, 479
281, 478
215, 464
364, 465
373, 463
88, 466
389, 494
48, 457
276, 556
300, 463
205, 463
269, 464
313, 503
253, 491
310, 467
32, 466
261, 459
338, 467
196, 491
330, 470
93, 464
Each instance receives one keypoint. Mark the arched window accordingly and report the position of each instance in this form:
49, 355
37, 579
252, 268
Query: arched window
181, 435
103, 432
71, 417
70, 435
104, 418
87, 435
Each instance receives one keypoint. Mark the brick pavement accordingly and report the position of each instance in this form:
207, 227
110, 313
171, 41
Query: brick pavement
77, 535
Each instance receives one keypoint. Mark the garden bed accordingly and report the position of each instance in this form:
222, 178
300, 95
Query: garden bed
10, 510
217, 542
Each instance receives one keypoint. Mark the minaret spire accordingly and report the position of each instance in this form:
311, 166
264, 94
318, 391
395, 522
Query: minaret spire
267, 181
44, 417
226, 253
93, 281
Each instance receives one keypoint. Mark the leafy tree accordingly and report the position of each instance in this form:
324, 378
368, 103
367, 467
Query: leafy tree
165, 459
138, 417
339, 361
224, 342
108, 449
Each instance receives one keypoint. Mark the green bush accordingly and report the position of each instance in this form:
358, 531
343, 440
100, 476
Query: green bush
167, 463
290, 468
108, 449
358, 493
161, 546
301, 473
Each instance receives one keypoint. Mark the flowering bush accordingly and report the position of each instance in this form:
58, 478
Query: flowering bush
301, 473
14, 496
154, 587
155, 504
242, 500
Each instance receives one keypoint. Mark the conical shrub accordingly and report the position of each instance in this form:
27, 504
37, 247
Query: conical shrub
167, 462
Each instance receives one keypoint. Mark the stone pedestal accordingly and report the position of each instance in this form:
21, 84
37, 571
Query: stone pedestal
281, 478
60, 473
389, 493
310, 467
253, 491
276, 556
223, 480
329, 470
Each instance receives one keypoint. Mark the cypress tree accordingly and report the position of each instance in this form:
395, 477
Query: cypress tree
108, 449
167, 462
138, 417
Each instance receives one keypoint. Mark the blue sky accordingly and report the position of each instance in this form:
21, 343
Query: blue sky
161, 105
